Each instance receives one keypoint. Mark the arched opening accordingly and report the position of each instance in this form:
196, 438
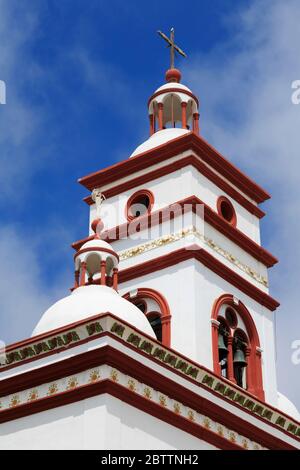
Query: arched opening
154, 319
235, 345
154, 305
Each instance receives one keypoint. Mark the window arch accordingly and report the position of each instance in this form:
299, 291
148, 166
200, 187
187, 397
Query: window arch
235, 345
155, 307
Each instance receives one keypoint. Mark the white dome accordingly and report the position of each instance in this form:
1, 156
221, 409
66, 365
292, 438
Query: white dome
159, 138
87, 301
285, 405
169, 85
96, 243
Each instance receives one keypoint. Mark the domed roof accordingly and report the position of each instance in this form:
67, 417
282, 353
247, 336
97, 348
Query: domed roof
285, 405
87, 301
168, 86
159, 138
96, 243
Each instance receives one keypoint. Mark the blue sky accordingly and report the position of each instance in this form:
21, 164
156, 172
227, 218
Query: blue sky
78, 76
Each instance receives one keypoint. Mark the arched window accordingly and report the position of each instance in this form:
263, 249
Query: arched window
235, 344
139, 204
155, 307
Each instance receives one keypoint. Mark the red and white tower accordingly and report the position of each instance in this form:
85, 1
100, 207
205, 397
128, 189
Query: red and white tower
167, 339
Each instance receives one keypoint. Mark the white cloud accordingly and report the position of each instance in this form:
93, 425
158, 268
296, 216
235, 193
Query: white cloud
247, 113
23, 294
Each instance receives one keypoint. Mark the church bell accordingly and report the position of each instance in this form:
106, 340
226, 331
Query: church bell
239, 358
222, 347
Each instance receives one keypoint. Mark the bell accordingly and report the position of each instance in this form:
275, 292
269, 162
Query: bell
239, 359
222, 347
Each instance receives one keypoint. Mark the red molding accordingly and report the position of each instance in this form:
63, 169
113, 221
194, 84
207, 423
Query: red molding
189, 141
201, 255
179, 164
127, 365
106, 333
127, 396
210, 216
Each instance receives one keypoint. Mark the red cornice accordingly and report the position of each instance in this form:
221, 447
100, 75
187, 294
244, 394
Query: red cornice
210, 216
168, 169
169, 149
201, 255
127, 365
21, 384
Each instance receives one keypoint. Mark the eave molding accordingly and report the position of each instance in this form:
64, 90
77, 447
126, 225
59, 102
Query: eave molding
122, 332
189, 141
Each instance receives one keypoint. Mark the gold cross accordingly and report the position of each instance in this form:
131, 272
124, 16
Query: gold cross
172, 45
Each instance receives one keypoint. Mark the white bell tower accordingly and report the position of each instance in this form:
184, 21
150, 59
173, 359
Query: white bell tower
185, 223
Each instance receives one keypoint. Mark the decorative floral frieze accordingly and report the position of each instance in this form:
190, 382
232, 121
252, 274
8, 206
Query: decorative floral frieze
106, 322
104, 372
41, 347
171, 238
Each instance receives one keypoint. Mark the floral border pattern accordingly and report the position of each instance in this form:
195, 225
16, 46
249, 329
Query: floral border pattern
165, 240
105, 372
107, 323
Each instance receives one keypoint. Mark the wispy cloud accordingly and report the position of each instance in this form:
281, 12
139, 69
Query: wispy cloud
245, 89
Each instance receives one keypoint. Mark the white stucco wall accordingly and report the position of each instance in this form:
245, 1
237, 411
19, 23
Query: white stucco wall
173, 187
191, 290
99, 423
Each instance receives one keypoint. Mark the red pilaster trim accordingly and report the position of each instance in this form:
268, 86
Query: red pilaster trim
183, 114
230, 360
196, 123
160, 116
82, 273
151, 119
103, 272
115, 279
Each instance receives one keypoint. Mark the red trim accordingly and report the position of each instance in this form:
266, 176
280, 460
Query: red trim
173, 90
132, 200
127, 365
201, 255
254, 385
183, 162
106, 250
122, 393
106, 333
232, 214
189, 141
164, 310
210, 216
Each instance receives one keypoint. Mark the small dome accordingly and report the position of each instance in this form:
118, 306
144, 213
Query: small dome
159, 138
96, 243
285, 405
87, 301
169, 85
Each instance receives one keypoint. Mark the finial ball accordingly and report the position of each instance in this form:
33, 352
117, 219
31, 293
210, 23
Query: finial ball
97, 226
173, 75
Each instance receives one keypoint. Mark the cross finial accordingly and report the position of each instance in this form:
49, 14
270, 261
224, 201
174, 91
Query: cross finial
172, 45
